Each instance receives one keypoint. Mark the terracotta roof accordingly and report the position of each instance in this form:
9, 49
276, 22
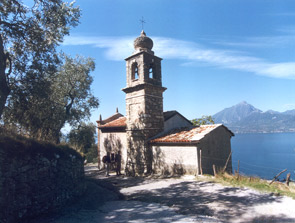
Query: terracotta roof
109, 119
190, 135
119, 122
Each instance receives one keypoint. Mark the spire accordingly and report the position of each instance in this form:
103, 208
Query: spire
117, 110
142, 33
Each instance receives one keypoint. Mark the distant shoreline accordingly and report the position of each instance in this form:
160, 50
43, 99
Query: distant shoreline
273, 132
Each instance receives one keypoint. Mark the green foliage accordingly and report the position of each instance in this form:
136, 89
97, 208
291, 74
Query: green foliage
29, 36
71, 89
40, 108
91, 155
82, 138
205, 120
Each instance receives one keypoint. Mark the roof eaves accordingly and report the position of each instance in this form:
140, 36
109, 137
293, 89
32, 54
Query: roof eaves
174, 112
175, 142
228, 130
109, 119
117, 126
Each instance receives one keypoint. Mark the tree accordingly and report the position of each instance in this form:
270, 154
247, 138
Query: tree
82, 138
41, 108
71, 90
29, 37
205, 120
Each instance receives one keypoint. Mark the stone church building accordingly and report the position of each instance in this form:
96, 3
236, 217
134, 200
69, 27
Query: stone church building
153, 141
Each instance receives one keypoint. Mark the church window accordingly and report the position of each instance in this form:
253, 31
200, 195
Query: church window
151, 72
134, 71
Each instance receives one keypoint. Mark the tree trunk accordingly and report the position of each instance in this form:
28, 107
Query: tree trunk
4, 88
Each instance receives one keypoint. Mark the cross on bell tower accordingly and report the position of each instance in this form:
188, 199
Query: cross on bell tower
144, 102
142, 21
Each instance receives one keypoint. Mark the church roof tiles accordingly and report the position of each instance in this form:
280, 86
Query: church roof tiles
186, 135
119, 122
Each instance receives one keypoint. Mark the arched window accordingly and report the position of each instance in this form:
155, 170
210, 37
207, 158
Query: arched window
151, 72
134, 71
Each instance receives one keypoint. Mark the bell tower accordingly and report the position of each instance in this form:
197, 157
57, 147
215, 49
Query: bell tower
144, 103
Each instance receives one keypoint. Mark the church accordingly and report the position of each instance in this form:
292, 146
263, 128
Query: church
152, 141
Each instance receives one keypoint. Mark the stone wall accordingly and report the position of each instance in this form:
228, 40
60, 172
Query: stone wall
216, 148
36, 178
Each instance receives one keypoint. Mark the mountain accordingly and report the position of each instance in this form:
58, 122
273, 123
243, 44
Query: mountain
272, 112
289, 112
235, 113
245, 118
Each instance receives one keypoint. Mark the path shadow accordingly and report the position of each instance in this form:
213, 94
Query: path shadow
272, 219
97, 193
193, 198
145, 212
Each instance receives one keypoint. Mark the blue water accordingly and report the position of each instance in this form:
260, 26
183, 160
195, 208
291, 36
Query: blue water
264, 155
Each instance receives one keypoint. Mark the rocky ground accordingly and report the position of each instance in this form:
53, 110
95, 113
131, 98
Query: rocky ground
122, 199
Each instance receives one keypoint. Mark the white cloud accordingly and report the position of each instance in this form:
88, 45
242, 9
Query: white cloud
262, 42
280, 70
289, 30
118, 48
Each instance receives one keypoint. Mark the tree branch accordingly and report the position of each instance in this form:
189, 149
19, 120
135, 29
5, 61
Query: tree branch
10, 25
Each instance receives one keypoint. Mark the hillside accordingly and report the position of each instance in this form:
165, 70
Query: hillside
235, 113
245, 118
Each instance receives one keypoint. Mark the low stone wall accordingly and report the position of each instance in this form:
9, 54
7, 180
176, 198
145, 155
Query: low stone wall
36, 178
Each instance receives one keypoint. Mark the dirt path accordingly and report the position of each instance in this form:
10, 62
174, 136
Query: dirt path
175, 200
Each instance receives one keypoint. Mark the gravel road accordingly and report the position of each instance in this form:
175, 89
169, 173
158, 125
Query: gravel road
122, 199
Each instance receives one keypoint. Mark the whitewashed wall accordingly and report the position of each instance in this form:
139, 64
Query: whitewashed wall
168, 159
116, 137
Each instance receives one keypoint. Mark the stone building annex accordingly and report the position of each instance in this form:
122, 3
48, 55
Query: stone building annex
153, 141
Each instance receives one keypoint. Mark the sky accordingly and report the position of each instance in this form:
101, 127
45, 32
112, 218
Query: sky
216, 53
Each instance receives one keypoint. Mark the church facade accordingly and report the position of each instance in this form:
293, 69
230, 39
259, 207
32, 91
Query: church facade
153, 141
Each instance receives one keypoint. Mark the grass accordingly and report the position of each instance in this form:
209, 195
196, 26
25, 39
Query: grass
277, 188
17, 146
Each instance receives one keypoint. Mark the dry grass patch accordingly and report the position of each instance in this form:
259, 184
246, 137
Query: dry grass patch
277, 188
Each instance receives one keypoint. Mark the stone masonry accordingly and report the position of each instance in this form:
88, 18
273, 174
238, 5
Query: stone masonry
144, 104
36, 178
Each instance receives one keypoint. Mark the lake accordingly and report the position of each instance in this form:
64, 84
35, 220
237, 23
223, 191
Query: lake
264, 155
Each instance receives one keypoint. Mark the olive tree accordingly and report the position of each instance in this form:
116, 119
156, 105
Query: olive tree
205, 120
42, 108
82, 138
29, 36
